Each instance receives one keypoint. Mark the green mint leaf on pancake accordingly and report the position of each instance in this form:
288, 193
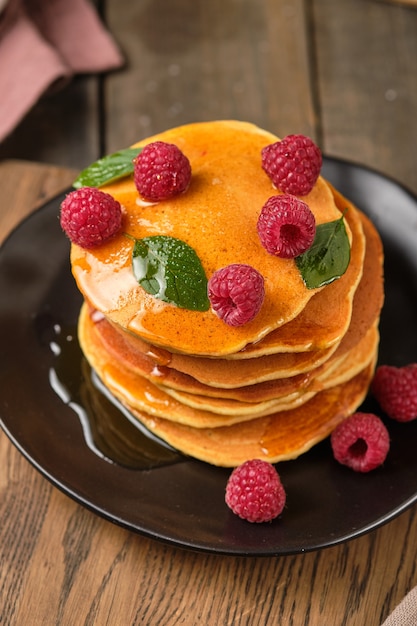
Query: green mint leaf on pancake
170, 270
108, 169
328, 257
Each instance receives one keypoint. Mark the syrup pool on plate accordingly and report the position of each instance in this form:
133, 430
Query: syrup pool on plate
109, 429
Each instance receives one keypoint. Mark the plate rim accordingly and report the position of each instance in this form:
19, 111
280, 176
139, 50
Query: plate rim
193, 545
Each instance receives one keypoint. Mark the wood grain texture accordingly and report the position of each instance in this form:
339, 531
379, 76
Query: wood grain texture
61, 564
209, 60
344, 73
366, 56
63, 128
25, 186
411, 3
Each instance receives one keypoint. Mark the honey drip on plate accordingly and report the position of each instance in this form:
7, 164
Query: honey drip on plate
110, 431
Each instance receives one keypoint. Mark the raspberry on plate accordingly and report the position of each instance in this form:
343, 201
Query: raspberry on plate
395, 389
90, 217
361, 442
161, 171
236, 293
293, 164
286, 226
254, 491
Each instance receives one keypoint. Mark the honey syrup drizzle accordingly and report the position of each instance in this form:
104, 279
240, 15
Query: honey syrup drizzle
109, 430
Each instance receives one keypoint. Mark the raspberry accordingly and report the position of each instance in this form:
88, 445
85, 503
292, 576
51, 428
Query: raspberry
361, 442
90, 216
236, 293
286, 226
161, 171
395, 388
293, 164
254, 491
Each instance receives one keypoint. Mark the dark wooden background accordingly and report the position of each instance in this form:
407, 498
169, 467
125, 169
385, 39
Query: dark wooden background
341, 71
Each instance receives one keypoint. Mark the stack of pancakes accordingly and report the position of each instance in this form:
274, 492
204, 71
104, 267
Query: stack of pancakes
269, 389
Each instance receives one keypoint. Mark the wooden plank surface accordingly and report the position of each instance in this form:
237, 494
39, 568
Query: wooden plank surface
60, 564
63, 128
63, 565
344, 73
411, 3
366, 60
209, 60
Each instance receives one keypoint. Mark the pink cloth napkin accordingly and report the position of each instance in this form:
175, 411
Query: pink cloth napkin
43, 42
405, 614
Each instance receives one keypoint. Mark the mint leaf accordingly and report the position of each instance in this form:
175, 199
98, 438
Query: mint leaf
108, 169
170, 270
328, 257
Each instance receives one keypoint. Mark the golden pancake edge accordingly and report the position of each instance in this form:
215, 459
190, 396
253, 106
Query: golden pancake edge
270, 389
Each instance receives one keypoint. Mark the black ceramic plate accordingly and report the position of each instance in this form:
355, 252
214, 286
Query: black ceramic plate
46, 405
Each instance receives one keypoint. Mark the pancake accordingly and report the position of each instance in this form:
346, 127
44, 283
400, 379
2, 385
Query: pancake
269, 389
290, 371
336, 372
216, 373
275, 438
173, 381
369, 295
229, 188
325, 318
136, 392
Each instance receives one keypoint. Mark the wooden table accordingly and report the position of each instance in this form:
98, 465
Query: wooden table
343, 72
